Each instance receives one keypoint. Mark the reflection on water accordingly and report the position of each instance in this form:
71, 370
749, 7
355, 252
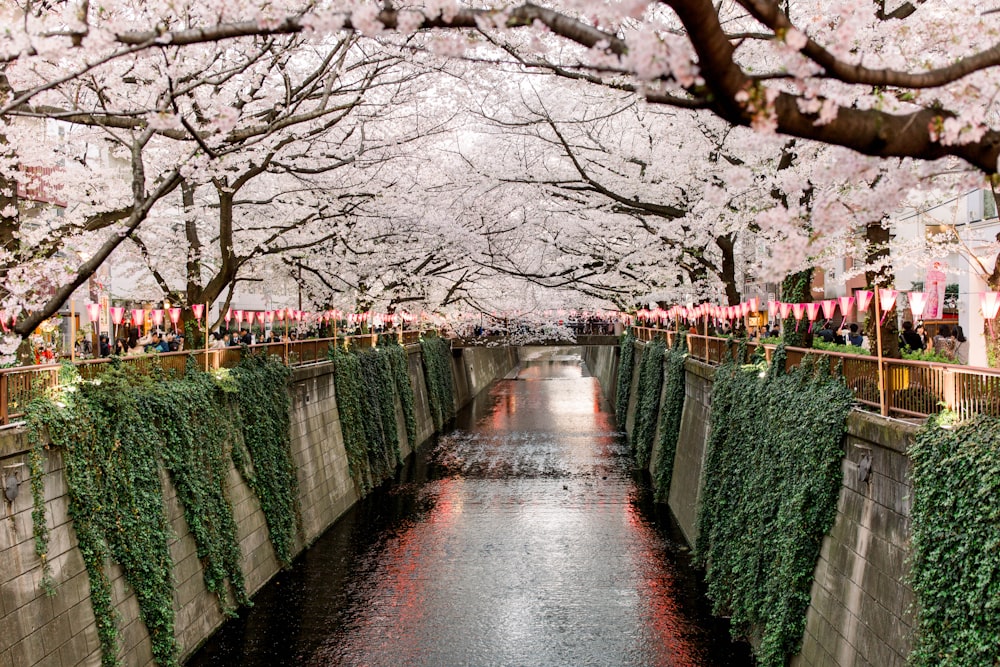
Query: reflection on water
520, 538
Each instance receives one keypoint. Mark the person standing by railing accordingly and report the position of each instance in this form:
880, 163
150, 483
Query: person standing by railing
961, 346
944, 343
909, 338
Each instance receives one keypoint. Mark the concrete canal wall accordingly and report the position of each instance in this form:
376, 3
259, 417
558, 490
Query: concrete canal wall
860, 609
37, 630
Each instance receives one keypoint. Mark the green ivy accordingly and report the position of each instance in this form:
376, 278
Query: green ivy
956, 536
115, 501
264, 457
771, 480
671, 411
367, 384
436, 353
115, 432
648, 400
795, 289
626, 361
400, 363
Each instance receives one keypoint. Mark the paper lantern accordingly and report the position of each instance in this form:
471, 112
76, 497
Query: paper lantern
990, 302
137, 317
917, 302
238, 314
175, 315
755, 304
745, 308
772, 309
198, 309
887, 299
785, 309
157, 316
846, 303
799, 309
117, 314
829, 307
864, 297
280, 314
229, 316
812, 310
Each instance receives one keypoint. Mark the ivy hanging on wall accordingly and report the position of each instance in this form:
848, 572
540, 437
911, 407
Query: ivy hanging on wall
956, 532
367, 383
114, 433
264, 458
647, 408
436, 353
626, 360
771, 480
671, 411
400, 363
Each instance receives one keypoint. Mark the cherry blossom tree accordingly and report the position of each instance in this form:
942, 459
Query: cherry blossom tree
158, 94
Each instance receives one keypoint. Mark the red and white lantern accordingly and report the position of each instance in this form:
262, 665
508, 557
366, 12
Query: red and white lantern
917, 302
864, 297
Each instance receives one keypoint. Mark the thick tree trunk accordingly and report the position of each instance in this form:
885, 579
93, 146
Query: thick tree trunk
795, 289
877, 242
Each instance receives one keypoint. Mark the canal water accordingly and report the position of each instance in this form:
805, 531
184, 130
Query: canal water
522, 537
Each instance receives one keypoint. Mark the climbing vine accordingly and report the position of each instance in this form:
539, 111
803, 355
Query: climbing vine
956, 531
115, 432
648, 400
367, 383
115, 501
771, 479
670, 415
264, 457
436, 353
626, 361
400, 364
795, 289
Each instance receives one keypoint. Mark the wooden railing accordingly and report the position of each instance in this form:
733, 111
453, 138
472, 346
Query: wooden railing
912, 388
19, 385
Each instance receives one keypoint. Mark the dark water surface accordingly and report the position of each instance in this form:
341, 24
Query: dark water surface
520, 538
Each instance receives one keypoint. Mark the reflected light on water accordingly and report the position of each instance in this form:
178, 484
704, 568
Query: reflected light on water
529, 543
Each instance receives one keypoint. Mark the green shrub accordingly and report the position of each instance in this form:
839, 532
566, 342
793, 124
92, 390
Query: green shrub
843, 349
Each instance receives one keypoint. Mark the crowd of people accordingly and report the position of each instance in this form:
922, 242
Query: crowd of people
947, 341
129, 343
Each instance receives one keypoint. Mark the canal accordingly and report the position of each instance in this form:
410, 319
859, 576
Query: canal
522, 537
